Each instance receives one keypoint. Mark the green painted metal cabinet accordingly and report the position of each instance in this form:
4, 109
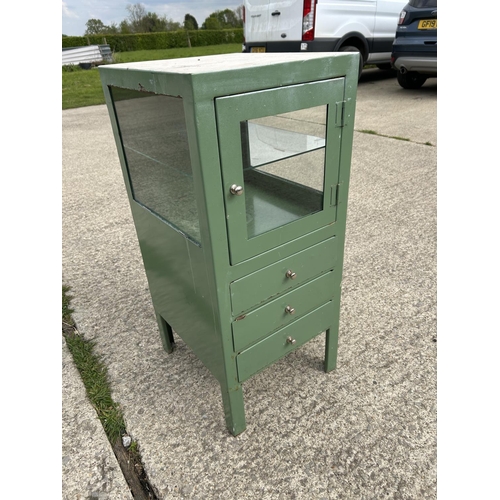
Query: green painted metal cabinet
237, 171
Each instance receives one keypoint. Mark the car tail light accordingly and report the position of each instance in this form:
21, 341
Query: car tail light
309, 20
402, 16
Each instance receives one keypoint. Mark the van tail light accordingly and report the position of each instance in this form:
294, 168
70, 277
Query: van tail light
402, 16
243, 14
309, 20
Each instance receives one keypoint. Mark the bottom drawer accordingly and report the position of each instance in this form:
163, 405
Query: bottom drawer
274, 347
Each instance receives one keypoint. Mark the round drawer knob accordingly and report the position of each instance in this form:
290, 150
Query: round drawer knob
290, 274
290, 340
235, 189
289, 310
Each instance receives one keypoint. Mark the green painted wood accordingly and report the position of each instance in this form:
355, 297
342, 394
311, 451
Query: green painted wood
274, 347
266, 283
251, 327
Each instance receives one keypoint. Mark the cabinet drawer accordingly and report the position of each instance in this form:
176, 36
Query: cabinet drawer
264, 284
261, 321
274, 347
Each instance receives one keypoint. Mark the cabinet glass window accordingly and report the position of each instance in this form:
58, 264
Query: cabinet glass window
283, 167
155, 142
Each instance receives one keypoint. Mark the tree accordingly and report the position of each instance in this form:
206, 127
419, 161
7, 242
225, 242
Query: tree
190, 22
136, 14
125, 28
211, 23
172, 25
152, 23
238, 12
95, 27
112, 29
223, 19
140, 21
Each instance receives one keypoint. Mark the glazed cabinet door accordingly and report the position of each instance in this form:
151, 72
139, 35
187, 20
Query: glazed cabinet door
280, 155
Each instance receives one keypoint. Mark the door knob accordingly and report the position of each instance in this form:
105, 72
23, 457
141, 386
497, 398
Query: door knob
289, 340
289, 310
235, 189
290, 274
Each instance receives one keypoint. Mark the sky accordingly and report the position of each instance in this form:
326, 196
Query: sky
75, 13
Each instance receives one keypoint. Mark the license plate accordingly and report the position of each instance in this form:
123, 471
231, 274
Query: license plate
257, 49
428, 24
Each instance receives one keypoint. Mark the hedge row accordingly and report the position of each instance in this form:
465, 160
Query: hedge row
151, 41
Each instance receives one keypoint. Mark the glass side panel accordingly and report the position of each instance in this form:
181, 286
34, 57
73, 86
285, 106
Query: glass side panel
155, 142
283, 167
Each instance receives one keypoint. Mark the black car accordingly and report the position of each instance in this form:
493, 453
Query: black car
414, 51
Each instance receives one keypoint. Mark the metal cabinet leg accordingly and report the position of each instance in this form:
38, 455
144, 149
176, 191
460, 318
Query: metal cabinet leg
234, 408
332, 337
166, 334
331, 345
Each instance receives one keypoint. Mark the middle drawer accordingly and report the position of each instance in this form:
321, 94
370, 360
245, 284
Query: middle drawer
287, 307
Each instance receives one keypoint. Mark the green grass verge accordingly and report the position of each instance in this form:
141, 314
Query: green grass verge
153, 55
83, 87
93, 372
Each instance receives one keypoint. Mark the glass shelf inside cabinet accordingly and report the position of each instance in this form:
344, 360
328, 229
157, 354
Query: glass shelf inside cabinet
283, 167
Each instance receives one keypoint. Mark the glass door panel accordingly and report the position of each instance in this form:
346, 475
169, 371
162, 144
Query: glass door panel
283, 168
280, 155
155, 145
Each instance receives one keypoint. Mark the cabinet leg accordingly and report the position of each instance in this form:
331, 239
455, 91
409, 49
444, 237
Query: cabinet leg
332, 341
234, 408
166, 334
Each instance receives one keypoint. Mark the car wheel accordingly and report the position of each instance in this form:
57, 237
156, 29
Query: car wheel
411, 80
351, 48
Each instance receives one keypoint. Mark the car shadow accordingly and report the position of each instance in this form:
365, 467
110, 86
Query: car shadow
372, 75
375, 74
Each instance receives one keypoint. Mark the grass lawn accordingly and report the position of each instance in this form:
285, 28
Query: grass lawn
83, 87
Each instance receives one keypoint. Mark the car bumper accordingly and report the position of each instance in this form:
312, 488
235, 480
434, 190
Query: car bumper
427, 65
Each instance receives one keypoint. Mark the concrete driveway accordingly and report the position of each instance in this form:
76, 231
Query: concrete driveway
367, 430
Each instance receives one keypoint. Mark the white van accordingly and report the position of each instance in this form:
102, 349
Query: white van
367, 26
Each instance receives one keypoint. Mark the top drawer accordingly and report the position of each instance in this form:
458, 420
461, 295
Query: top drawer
272, 280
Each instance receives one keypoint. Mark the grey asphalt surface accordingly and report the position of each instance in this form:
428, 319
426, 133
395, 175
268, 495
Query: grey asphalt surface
367, 430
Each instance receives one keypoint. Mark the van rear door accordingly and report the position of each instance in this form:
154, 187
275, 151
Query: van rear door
386, 23
268, 21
